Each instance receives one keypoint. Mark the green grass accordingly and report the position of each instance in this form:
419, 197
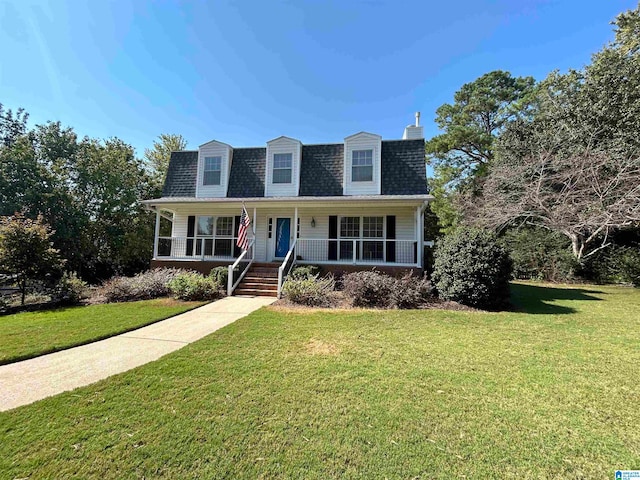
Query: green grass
30, 334
549, 391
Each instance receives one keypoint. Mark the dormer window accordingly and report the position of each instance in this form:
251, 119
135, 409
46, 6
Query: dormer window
282, 166
212, 170
362, 165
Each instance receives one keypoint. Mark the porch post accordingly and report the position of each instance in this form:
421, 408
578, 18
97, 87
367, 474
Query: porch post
418, 236
157, 234
253, 249
295, 224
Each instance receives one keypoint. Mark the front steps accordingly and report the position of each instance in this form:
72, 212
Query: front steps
260, 281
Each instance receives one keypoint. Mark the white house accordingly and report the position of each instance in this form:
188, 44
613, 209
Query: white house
344, 206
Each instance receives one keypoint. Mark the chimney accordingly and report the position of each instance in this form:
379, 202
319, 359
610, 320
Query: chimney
412, 132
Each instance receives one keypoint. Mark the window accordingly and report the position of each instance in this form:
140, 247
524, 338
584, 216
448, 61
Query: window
372, 227
362, 166
349, 227
205, 226
214, 245
224, 246
282, 163
212, 169
224, 227
366, 248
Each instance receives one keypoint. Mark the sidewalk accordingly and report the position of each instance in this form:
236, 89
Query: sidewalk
25, 382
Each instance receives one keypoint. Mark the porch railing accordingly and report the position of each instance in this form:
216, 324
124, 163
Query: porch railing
197, 248
357, 251
239, 268
287, 265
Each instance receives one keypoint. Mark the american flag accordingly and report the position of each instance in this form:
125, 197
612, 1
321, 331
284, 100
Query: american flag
243, 240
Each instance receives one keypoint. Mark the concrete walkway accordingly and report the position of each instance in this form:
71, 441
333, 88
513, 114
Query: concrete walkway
25, 382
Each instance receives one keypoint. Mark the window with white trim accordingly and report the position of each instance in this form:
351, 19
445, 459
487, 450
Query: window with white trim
362, 166
212, 171
215, 235
366, 231
282, 166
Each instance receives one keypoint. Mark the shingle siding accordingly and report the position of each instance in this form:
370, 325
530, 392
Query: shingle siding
181, 175
247, 173
321, 170
403, 167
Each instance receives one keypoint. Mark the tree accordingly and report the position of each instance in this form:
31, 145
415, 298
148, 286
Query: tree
26, 250
158, 156
471, 124
574, 168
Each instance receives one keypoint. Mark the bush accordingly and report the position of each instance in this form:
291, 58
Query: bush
369, 289
304, 271
309, 290
70, 289
150, 284
220, 275
193, 286
538, 254
616, 264
411, 292
473, 268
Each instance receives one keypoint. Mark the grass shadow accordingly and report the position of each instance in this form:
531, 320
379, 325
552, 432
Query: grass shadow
535, 299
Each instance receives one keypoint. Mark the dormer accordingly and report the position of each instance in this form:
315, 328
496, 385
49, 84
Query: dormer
282, 178
214, 165
362, 164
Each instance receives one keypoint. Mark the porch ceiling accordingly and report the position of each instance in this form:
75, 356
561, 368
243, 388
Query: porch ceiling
354, 200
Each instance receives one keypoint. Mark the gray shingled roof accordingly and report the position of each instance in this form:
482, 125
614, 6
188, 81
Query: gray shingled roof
403, 171
181, 175
321, 170
247, 173
403, 167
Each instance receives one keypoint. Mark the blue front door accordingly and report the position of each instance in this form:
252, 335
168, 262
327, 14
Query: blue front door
283, 232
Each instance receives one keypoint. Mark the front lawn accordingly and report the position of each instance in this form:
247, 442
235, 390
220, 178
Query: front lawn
550, 391
30, 334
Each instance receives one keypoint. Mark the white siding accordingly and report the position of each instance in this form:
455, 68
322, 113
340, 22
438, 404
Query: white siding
214, 149
362, 141
283, 145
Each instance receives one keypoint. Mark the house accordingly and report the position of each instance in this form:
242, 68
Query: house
345, 206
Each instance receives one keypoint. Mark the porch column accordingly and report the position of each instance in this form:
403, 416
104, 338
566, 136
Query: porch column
254, 223
295, 224
157, 234
419, 246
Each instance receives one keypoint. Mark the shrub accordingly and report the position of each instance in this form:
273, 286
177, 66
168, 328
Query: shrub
630, 266
309, 290
70, 289
220, 275
193, 286
616, 264
473, 268
538, 254
304, 271
150, 284
369, 289
410, 291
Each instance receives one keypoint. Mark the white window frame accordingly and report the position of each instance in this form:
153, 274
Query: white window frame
280, 169
213, 159
214, 235
361, 238
370, 166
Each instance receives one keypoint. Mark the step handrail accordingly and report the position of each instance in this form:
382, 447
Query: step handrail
281, 269
231, 286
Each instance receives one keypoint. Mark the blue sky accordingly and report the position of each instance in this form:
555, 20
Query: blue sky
245, 72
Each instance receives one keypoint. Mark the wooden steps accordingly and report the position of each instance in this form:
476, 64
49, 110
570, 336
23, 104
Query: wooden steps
260, 281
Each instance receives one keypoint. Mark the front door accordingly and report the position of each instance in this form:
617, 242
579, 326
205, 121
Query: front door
283, 234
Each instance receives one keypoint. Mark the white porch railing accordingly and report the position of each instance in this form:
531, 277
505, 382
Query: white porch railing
239, 268
285, 268
196, 248
357, 251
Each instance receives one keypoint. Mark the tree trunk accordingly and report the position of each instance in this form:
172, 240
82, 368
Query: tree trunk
576, 245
